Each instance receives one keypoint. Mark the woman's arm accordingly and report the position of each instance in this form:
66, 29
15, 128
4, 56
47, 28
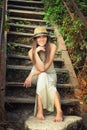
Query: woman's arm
28, 80
38, 63
53, 49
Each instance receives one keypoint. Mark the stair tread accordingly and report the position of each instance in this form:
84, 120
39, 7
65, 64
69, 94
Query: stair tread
20, 84
25, 7
27, 26
20, 45
19, 67
26, 19
26, 12
22, 67
28, 1
19, 100
31, 99
26, 57
18, 56
24, 34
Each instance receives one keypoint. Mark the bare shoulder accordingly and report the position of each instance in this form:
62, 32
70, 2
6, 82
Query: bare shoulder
53, 46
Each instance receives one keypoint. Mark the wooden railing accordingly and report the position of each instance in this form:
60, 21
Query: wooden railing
3, 45
2, 22
77, 10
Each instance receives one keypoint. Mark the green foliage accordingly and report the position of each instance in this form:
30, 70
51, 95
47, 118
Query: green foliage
83, 6
54, 11
73, 32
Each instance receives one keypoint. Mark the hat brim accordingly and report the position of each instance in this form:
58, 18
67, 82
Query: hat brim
39, 34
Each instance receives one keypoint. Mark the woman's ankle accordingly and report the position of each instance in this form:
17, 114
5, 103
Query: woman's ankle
40, 115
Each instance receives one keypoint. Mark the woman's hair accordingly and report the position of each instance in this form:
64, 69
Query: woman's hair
47, 52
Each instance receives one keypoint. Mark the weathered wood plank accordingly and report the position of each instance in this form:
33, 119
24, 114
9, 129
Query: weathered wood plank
24, 7
31, 99
27, 26
20, 45
26, 12
24, 34
18, 67
26, 19
27, 1
19, 100
20, 84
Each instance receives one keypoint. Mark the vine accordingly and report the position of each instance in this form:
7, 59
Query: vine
73, 32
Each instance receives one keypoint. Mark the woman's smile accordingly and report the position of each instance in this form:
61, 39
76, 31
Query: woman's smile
41, 40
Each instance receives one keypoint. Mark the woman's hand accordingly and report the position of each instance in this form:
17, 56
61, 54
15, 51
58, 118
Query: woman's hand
28, 81
40, 48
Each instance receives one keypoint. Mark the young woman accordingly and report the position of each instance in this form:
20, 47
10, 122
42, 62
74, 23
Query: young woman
44, 75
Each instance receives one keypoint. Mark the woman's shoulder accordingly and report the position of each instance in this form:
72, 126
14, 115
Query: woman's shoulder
53, 45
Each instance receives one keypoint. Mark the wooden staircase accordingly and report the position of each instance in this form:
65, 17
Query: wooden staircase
22, 18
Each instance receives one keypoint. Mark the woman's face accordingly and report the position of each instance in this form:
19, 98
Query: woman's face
41, 40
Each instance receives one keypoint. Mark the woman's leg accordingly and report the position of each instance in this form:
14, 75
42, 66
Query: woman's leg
57, 103
41, 95
40, 109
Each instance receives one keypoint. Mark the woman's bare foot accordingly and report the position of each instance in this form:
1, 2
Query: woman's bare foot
40, 116
59, 117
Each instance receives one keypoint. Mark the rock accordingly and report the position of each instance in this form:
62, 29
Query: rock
69, 123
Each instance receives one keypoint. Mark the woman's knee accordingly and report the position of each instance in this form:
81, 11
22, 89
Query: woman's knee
43, 75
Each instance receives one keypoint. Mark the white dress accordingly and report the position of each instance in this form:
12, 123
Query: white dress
45, 86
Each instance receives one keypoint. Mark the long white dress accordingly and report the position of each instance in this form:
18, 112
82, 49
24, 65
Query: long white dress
45, 86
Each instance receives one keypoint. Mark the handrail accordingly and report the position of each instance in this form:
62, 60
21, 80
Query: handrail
2, 21
3, 45
68, 10
79, 13
82, 17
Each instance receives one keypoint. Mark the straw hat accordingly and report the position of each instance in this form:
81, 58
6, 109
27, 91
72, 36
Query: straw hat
41, 30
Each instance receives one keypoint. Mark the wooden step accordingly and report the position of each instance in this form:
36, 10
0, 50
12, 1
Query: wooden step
20, 84
13, 56
27, 21
14, 59
28, 26
57, 60
19, 100
25, 2
18, 67
19, 45
11, 6
20, 34
32, 100
23, 71
17, 88
29, 35
27, 14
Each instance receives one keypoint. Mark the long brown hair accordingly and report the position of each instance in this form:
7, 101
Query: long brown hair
47, 52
